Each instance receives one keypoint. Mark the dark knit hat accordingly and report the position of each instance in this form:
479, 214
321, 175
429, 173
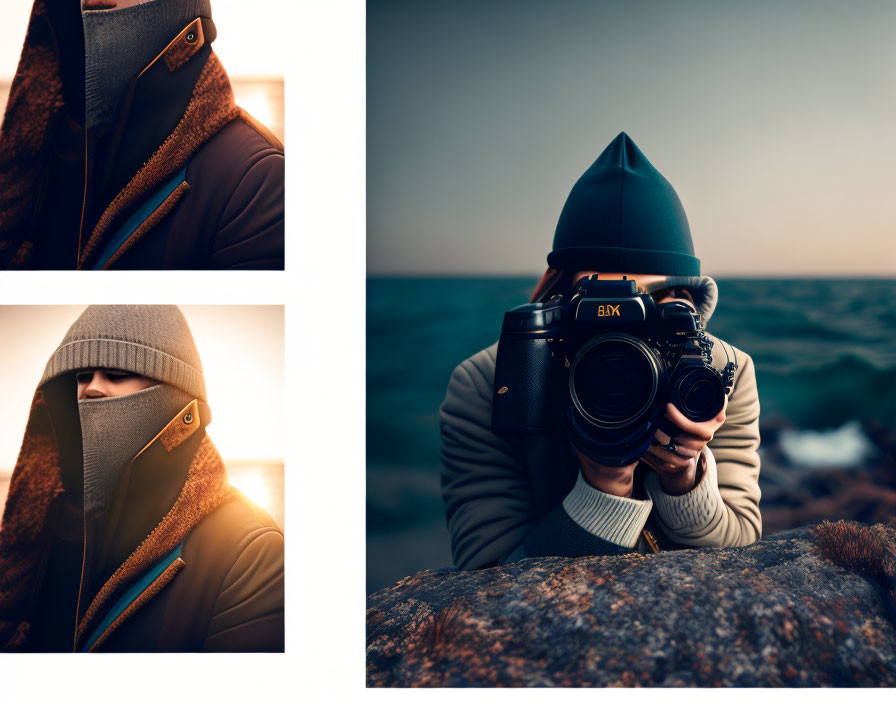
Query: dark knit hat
623, 216
154, 341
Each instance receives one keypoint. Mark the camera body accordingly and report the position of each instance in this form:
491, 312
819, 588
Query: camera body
605, 360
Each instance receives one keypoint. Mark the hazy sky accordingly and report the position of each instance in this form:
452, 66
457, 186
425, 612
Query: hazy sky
774, 121
241, 348
249, 42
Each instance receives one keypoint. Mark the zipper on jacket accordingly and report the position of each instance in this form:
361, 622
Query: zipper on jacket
81, 582
84, 200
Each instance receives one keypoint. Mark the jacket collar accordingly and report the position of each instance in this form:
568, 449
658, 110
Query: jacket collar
204, 488
150, 108
181, 447
210, 108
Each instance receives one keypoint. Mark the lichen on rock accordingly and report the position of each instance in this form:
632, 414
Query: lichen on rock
804, 608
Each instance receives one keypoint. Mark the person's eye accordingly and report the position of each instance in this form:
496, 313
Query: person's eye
84, 378
120, 376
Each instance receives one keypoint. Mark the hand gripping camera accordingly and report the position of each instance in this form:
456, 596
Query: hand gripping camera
605, 359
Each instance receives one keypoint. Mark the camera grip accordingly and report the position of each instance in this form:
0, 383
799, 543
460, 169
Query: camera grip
525, 384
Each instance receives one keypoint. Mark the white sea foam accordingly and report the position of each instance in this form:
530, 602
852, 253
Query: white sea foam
846, 446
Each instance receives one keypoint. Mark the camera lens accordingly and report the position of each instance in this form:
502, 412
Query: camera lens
698, 393
614, 380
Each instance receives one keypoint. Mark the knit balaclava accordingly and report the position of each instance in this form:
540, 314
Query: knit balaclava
120, 43
114, 430
154, 341
623, 216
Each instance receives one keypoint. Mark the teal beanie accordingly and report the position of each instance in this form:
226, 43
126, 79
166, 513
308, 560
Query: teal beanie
623, 216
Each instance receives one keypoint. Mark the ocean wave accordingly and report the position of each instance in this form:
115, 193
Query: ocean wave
846, 446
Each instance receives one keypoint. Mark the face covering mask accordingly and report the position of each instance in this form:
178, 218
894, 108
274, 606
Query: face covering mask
119, 44
115, 429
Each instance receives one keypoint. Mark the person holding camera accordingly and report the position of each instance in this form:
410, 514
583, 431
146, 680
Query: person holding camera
606, 419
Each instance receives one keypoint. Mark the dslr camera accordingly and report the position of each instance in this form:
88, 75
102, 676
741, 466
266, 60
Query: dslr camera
604, 360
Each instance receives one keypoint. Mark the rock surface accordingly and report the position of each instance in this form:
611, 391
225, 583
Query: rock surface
813, 607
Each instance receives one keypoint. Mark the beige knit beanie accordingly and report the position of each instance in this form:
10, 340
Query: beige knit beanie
154, 341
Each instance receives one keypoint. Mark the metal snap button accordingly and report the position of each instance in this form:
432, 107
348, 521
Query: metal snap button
188, 418
191, 37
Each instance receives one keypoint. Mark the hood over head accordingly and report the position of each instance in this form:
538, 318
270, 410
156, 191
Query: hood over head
622, 215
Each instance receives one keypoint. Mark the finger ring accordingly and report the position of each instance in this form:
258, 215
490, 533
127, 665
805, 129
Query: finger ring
671, 447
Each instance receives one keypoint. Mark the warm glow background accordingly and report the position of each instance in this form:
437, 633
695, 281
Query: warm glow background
241, 348
251, 44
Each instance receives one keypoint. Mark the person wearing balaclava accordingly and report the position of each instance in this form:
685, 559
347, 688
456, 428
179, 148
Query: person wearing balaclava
508, 497
122, 147
120, 530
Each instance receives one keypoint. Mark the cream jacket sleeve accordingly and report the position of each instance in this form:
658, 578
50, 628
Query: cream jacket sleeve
723, 510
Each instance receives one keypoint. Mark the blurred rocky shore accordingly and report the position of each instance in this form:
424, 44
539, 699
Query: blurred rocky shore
843, 473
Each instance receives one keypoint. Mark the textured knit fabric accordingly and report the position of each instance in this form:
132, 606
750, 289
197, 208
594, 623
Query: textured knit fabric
693, 518
616, 519
115, 429
623, 215
118, 44
154, 341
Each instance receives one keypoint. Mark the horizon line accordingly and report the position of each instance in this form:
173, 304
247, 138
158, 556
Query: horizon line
529, 275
